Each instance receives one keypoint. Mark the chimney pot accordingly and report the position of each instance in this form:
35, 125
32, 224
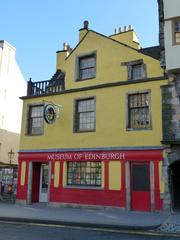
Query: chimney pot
120, 30
130, 27
86, 23
115, 31
69, 49
125, 28
64, 46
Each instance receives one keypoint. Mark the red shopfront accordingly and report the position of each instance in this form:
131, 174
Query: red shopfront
127, 179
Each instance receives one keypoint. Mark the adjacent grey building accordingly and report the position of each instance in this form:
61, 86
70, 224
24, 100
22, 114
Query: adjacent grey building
169, 39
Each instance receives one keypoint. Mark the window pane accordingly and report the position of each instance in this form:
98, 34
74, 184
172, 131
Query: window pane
177, 31
37, 111
87, 62
87, 67
87, 73
177, 37
85, 115
86, 105
139, 116
137, 71
36, 120
177, 26
84, 173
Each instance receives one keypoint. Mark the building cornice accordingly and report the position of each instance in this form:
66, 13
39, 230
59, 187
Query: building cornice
92, 149
99, 86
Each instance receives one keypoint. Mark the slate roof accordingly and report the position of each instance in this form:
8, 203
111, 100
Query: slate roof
151, 51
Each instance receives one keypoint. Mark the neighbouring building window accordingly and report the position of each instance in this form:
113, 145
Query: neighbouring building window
177, 85
87, 67
84, 115
84, 174
36, 120
177, 31
139, 110
177, 76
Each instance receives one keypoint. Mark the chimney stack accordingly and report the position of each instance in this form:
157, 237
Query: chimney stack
126, 35
84, 30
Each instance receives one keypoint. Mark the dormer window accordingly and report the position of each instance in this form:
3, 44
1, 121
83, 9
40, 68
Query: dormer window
135, 69
86, 67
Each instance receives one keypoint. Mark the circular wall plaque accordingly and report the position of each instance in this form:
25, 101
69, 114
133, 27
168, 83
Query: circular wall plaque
50, 113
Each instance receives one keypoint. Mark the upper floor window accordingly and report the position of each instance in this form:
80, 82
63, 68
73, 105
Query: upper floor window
36, 120
84, 115
136, 69
86, 67
177, 31
139, 110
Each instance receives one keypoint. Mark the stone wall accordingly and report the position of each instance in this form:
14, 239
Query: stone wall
171, 111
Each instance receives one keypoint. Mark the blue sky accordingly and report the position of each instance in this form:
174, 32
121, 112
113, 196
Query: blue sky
38, 28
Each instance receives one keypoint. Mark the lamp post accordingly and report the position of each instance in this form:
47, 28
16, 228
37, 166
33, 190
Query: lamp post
11, 156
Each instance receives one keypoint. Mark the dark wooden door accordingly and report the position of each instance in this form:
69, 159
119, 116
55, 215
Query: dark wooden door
35, 182
140, 187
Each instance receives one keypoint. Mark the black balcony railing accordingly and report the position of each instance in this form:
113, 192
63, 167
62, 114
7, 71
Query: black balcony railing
55, 85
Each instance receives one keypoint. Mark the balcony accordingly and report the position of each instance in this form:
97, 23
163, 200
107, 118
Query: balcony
55, 85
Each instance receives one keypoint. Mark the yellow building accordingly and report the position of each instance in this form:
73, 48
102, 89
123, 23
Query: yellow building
92, 134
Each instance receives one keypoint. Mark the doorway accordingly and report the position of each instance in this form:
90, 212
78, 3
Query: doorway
44, 183
140, 187
174, 173
40, 182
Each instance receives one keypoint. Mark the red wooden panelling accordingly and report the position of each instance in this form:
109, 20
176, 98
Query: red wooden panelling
87, 196
101, 197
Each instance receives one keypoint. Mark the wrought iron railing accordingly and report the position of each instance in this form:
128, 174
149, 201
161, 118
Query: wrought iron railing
45, 87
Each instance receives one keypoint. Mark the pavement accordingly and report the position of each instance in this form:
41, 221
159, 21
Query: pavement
171, 224
109, 218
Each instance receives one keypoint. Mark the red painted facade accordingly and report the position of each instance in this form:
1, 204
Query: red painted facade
91, 196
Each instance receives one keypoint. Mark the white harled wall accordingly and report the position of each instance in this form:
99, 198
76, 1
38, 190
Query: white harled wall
172, 52
12, 86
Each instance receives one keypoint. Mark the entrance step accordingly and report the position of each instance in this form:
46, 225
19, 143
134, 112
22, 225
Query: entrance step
8, 198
